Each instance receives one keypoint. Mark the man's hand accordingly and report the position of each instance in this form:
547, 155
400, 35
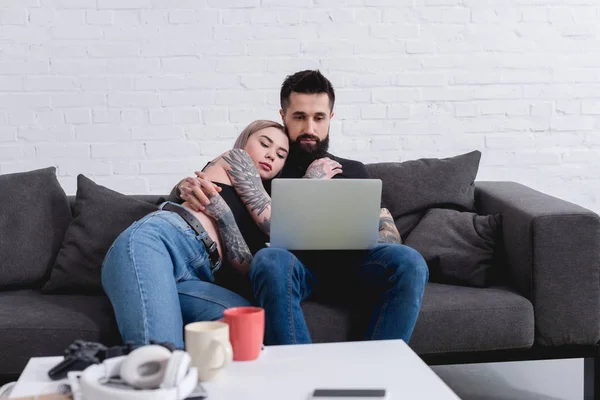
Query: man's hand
323, 168
388, 233
197, 191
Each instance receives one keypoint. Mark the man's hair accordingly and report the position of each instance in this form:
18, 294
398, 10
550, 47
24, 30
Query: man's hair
309, 82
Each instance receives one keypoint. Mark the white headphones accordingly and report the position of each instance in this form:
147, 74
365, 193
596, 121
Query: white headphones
152, 372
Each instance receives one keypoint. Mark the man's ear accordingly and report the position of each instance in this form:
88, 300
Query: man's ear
331, 115
282, 114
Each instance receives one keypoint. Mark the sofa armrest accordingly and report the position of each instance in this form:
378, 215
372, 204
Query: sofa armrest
553, 256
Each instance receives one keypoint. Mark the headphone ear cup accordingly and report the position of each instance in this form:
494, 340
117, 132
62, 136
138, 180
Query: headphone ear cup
176, 369
144, 367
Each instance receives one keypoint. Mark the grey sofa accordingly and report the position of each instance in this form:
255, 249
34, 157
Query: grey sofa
548, 307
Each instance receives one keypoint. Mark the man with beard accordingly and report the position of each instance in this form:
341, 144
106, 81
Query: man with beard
389, 279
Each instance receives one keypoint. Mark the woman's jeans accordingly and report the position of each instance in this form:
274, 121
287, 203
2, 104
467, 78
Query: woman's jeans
157, 276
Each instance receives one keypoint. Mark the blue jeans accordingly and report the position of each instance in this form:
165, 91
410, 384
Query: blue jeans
157, 276
394, 275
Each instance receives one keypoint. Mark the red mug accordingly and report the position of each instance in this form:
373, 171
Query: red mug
246, 331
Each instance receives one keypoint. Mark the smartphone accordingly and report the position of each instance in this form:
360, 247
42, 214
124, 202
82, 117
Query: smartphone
353, 394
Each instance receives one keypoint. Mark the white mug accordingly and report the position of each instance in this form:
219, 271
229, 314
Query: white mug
208, 345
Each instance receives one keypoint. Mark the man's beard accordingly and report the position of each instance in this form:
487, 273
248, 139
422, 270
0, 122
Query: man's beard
305, 154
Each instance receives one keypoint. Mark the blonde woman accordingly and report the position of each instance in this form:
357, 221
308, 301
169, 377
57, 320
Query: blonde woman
165, 270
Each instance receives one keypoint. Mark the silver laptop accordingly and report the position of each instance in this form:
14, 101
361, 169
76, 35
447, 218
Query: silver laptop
332, 214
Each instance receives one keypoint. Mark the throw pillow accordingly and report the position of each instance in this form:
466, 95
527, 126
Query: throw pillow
34, 216
99, 216
460, 247
418, 185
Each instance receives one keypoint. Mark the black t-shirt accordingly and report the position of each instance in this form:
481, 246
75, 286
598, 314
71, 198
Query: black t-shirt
255, 238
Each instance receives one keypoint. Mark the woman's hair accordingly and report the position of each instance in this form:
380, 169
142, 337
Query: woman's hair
254, 127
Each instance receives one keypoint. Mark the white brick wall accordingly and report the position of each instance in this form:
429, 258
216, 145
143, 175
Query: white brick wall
138, 93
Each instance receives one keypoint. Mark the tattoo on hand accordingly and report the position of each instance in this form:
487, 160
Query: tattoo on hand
247, 181
316, 172
235, 246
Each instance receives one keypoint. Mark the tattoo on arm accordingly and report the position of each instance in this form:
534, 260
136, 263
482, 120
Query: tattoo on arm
388, 233
249, 187
235, 247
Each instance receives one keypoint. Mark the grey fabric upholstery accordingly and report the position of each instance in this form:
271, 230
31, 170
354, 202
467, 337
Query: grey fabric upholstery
553, 255
460, 247
34, 216
452, 319
418, 185
34, 325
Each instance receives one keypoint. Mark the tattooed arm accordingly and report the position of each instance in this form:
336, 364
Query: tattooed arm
248, 185
234, 246
388, 233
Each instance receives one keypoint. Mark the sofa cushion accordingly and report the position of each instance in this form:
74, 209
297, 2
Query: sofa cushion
452, 319
100, 215
418, 185
33, 219
34, 325
460, 248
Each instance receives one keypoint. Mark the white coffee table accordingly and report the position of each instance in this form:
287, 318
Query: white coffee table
293, 372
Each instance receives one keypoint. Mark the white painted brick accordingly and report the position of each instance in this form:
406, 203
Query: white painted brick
10, 153
504, 107
61, 150
50, 117
533, 14
486, 15
23, 67
16, 101
57, 51
421, 79
398, 111
375, 111
378, 46
13, 16
77, 67
368, 80
497, 92
134, 117
204, 132
122, 4
89, 168
466, 110
507, 141
11, 83
106, 116
157, 132
246, 115
420, 47
172, 149
99, 17
397, 95
125, 167
350, 31
182, 65
78, 116
590, 107
234, 3
560, 140
377, 127
8, 134
579, 123
239, 16
21, 117
75, 33
541, 109
273, 48
394, 31
224, 98
241, 64
107, 83
188, 98
167, 116
150, 167
447, 94
139, 99
582, 156
527, 124
49, 83
134, 150
71, 3
291, 65
3, 118
569, 107
212, 116
101, 133
82, 99
116, 50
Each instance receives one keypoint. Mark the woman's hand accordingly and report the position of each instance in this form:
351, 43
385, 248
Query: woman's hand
323, 168
197, 191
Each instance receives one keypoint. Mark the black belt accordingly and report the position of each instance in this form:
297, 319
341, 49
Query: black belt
192, 221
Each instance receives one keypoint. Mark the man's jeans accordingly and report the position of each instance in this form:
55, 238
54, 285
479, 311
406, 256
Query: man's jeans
394, 274
157, 276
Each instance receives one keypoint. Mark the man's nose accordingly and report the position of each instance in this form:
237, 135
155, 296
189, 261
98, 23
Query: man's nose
309, 127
